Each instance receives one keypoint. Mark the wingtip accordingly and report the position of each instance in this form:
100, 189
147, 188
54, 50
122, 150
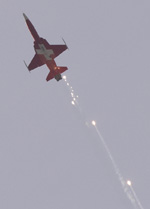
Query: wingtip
65, 43
26, 65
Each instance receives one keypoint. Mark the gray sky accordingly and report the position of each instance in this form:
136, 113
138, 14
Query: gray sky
49, 158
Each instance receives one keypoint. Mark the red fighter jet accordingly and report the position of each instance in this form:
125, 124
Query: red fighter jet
45, 54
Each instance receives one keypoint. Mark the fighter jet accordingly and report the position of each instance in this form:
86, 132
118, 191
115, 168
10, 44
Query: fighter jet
45, 54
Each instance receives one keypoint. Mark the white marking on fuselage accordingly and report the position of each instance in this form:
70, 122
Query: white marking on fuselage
46, 52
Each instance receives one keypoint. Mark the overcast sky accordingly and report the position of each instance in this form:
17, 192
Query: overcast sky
49, 158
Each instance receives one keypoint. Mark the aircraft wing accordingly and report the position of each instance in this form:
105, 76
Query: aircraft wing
58, 49
36, 62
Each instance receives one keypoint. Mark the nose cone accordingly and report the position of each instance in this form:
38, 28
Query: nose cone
25, 17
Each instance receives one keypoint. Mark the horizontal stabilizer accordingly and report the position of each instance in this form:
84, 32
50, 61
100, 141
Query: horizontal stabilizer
50, 76
61, 69
56, 73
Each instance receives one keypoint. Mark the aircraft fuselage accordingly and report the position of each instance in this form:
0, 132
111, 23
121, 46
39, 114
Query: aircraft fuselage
45, 54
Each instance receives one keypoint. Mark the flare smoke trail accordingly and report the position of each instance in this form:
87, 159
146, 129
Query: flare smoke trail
130, 193
135, 196
117, 171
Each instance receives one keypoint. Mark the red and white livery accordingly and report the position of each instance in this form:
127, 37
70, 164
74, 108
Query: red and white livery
45, 54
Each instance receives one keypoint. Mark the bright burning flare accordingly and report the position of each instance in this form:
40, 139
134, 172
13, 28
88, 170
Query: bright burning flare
129, 183
64, 77
93, 123
73, 103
